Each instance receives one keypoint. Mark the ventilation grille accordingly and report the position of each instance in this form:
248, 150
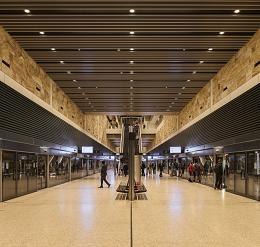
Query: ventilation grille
240, 117
21, 116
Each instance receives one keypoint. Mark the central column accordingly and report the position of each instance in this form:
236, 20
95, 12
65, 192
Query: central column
131, 156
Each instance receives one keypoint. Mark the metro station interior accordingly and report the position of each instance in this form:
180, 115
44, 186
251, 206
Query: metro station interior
160, 100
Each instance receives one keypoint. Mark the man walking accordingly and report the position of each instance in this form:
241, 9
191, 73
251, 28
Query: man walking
103, 175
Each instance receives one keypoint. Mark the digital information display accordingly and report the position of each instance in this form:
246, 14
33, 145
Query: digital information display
175, 150
87, 150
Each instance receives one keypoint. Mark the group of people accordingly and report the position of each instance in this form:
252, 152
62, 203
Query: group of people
196, 170
176, 168
150, 168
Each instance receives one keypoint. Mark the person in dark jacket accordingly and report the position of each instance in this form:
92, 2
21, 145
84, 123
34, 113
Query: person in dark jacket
104, 175
161, 166
143, 166
219, 174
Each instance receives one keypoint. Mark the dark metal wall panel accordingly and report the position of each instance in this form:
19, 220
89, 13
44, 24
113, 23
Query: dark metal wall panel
237, 121
24, 121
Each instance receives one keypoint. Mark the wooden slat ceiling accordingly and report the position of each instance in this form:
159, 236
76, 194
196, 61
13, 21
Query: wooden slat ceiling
93, 40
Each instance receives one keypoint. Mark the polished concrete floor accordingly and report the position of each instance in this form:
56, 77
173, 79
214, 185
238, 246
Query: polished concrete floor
177, 213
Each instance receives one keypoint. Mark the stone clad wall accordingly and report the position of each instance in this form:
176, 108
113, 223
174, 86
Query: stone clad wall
242, 67
168, 126
17, 64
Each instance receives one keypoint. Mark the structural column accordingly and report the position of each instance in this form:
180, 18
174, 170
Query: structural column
70, 168
131, 153
48, 171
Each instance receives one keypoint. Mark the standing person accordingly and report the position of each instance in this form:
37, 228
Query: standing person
191, 171
219, 173
103, 175
143, 168
154, 168
125, 169
182, 168
161, 168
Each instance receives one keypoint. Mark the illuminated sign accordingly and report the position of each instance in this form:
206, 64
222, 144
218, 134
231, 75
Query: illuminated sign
87, 150
175, 150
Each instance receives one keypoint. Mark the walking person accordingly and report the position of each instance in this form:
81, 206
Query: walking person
104, 175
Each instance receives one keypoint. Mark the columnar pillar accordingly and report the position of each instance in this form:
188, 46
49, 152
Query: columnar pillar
48, 171
131, 153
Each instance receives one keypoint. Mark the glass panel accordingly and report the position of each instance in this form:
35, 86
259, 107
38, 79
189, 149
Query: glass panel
54, 171
240, 161
22, 181
9, 176
251, 163
229, 172
41, 172
31, 168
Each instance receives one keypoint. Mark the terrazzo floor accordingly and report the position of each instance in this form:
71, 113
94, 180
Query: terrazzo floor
177, 213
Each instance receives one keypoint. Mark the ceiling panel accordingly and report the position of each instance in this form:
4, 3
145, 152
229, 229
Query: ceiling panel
170, 57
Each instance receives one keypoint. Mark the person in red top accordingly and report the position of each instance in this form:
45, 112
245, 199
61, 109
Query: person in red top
191, 171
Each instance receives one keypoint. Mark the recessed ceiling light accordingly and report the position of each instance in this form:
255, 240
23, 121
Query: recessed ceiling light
92, 106
170, 106
131, 72
166, 87
131, 103
121, 72
194, 72
167, 110
132, 32
83, 93
131, 11
173, 103
53, 49
79, 49
201, 61
131, 80
89, 103
79, 87
61, 61
118, 49
131, 49
68, 72
184, 49
131, 88
27, 11
86, 98
210, 49
176, 98
221, 33
179, 93
42, 33
188, 80
236, 11
131, 62
96, 86
183, 87
74, 80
